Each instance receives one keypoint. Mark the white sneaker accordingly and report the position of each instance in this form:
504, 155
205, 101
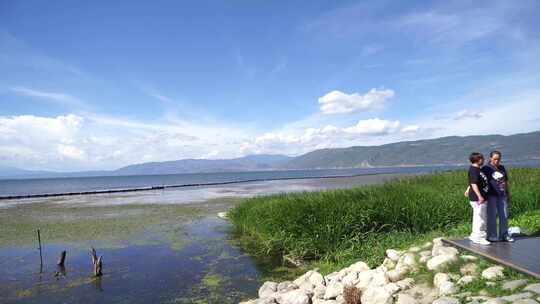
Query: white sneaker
509, 239
481, 242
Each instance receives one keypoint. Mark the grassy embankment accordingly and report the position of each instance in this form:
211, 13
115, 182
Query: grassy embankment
331, 229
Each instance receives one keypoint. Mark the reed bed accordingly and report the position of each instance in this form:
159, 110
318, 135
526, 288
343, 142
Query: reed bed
336, 226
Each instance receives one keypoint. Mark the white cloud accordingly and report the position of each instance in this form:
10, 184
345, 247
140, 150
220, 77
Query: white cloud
337, 102
71, 152
410, 129
464, 114
373, 126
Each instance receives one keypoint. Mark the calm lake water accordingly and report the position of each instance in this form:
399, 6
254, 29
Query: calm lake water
208, 266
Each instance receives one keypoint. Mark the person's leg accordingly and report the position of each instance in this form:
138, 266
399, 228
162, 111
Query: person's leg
483, 221
478, 233
502, 209
491, 218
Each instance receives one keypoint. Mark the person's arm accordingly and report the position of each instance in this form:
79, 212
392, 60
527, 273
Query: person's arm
466, 194
476, 190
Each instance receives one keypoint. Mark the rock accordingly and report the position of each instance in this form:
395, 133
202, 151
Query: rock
517, 296
395, 275
491, 284
359, 267
438, 262
440, 278
333, 290
350, 279
443, 250
319, 291
533, 287
495, 301
425, 253
446, 300
393, 254
407, 260
427, 245
372, 278
286, 286
334, 276
405, 299
405, 283
268, 289
414, 249
424, 259
321, 301
469, 268
447, 288
392, 288
376, 295
270, 300
525, 301
469, 258
466, 294
465, 280
297, 296
309, 280
513, 285
388, 263
493, 273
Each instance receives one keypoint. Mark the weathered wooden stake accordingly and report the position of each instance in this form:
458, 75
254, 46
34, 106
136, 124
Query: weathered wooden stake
40, 255
97, 263
61, 259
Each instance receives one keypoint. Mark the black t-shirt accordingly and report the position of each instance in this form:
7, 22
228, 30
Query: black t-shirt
476, 176
497, 178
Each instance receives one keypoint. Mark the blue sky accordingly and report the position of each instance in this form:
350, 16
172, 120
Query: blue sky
102, 84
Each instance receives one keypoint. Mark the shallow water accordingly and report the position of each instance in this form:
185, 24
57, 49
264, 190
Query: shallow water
210, 267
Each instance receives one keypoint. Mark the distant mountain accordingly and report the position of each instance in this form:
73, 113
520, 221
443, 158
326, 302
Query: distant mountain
248, 163
520, 148
453, 150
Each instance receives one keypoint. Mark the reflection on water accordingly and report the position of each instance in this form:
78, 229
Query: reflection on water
210, 268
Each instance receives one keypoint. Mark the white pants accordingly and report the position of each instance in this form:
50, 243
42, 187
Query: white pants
479, 221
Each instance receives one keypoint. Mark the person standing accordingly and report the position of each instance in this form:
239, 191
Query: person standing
498, 197
477, 191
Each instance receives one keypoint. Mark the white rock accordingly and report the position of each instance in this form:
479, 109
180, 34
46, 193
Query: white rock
427, 245
350, 279
469, 268
376, 295
446, 300
403, 298
333, 290
533, 287
424, 259
425, 253
309, 280
286, 286
372, 278
443, 250
388, 263
438, 241
395, 275
334, 276
495, 301
493, 273
405, 283
321, 301
517, 296
319, 291
525, 301
268, 289
408, 259
438, 262
440, 278
359, 267
393, 254
469, 258
392, 288
297, 296
465, 280
513, 285
447, 288
414, 249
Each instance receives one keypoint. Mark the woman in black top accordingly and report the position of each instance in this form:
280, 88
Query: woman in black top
477, 191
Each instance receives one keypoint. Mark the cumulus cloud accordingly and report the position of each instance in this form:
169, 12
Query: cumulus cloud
373, 126
337, 102
464, 114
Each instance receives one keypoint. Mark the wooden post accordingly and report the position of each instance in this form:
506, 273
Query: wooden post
40, 255
61, 259
97, 263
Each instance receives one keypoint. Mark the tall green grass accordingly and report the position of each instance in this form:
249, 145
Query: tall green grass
336, 226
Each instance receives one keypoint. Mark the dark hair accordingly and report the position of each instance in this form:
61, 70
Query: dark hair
495, 152
475, 157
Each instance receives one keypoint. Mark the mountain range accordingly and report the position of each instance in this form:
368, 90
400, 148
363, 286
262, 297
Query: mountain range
453, 150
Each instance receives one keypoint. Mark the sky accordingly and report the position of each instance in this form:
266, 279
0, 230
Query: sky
104, 84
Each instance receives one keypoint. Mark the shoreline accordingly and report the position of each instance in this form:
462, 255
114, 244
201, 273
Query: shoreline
163, 187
